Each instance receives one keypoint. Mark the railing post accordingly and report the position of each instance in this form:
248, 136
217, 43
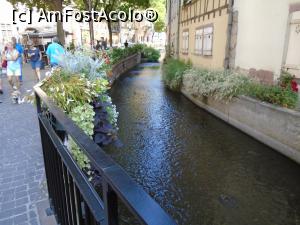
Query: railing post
38, 103
110, 205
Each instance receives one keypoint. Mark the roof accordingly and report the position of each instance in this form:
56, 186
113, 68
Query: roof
47, 32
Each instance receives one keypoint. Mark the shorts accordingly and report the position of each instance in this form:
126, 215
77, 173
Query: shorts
2, 72
53, 65
13, 72
36, 65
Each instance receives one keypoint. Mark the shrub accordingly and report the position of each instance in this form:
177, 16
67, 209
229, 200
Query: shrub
172, 72
83, 62
221, 85
117, 54
70, 91
151, 54
277, 95
287, 80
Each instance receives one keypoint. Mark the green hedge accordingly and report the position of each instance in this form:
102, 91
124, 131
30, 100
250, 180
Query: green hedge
151, 54
117, 54
172, 73
277, 95
224, 85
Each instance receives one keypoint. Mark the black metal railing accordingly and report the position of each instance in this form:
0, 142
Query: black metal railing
72, 197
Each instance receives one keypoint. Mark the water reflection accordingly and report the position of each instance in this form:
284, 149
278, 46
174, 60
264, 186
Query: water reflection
201, 170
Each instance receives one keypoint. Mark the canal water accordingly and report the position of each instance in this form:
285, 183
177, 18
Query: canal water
198, 168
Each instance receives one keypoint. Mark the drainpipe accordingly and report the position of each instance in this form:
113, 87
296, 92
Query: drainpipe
178, 30
169, 25
229, 35
286, 41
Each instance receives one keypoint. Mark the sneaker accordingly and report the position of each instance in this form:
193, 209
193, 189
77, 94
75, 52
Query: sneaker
19, 100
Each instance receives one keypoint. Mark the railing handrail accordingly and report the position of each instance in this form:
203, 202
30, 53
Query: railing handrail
93, 200
141, 205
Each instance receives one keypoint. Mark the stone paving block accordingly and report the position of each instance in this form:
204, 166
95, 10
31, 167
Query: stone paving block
21, 159
7, 205
21, 194
22, 201
6, 221
20, 219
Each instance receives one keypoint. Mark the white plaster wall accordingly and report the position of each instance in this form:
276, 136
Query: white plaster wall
6, 17
262, 29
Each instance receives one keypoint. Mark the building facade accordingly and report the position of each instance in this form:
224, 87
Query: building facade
261, 37
268, 37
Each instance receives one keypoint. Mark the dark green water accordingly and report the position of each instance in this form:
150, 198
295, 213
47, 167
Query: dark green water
200, 169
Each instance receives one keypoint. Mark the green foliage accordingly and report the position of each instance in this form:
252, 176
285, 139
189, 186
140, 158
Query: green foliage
221, 85
82, 160
286, 79
83, 116
71, 91
151, 54
277, 95
85, 62
159, 6
118, 54
111, 110
172, 73
224, 85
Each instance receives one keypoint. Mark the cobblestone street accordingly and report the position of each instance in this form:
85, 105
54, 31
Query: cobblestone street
22, 178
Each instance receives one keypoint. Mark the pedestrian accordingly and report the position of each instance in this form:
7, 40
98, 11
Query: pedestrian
20, 49
35, 56
55, 52
98, 45
2, 65
104, 44
11, 55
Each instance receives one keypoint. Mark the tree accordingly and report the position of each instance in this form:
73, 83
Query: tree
112, 5
159, 6
55, 5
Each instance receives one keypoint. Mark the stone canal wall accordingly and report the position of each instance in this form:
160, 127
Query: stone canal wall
125, 65
275, 126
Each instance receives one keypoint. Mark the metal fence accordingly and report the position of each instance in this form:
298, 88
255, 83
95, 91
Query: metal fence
72, 197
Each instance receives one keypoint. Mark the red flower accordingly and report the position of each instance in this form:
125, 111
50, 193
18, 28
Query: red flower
294, 86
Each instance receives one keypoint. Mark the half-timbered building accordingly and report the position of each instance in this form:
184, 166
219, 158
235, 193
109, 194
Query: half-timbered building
258, 36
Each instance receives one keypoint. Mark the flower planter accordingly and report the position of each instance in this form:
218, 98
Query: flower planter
274, 126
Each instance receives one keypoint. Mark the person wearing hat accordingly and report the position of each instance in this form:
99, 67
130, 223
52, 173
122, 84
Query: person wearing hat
35, 56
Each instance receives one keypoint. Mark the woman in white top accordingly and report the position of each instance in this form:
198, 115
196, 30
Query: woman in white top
13, 68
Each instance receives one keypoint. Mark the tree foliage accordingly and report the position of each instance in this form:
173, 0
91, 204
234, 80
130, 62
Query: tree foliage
55, 5
159, 6
112, 5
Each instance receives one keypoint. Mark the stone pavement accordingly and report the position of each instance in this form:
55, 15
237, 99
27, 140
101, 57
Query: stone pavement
22, 177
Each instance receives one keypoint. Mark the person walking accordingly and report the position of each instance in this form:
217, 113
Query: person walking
20, 49
2, 65
35, 56
11, 55
55, 52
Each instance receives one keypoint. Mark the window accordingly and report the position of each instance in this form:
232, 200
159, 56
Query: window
199, 42
6, 31
185, 42
208, 41
204, 41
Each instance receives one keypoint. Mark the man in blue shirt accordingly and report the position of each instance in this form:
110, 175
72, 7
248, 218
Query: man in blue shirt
55, 52
20, 50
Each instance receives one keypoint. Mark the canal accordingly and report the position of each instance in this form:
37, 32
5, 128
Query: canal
200, 169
